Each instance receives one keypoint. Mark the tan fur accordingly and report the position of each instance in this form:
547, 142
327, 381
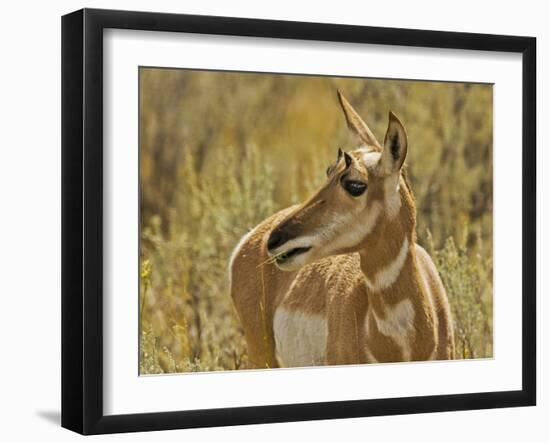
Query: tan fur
366, 291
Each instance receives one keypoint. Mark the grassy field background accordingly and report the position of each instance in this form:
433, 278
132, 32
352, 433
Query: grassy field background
219, 152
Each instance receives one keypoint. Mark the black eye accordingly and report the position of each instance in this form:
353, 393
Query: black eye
354, 188
328, 170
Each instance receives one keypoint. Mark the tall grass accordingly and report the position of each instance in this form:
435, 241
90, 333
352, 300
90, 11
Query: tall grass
187, 320
467, 276
220, 152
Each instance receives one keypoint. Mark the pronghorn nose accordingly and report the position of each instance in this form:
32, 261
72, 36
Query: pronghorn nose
276, 239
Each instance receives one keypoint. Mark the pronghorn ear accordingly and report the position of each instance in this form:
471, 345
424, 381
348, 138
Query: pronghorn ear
356, 123
395, 146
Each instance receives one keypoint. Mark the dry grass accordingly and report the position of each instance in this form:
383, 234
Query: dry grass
222, 151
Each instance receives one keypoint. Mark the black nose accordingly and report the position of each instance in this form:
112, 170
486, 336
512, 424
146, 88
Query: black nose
276, 239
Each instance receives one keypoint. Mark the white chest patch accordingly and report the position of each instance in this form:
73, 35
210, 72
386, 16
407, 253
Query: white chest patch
397, 324
300, 338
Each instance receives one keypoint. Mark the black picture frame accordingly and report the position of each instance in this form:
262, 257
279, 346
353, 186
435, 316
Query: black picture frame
82, 220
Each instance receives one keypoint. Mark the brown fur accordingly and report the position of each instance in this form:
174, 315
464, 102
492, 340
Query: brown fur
333, 283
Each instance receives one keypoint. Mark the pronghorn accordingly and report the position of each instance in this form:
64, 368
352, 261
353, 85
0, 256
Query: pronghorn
340, 279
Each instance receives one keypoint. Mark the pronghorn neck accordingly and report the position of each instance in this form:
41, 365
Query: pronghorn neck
398, 302
389, 264
387, 253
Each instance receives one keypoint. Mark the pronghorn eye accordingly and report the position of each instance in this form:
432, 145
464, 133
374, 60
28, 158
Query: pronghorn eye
354, 188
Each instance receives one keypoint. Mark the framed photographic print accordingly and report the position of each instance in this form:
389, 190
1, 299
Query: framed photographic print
269, 221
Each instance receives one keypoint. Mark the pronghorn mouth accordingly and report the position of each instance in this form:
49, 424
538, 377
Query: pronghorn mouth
285, 256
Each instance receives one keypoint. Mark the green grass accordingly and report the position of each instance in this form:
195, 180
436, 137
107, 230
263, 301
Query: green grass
221, 152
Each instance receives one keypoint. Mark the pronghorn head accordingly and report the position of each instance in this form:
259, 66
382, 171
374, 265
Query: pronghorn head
365, 199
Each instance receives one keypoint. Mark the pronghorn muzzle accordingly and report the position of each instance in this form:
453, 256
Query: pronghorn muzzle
283, 246
277, 238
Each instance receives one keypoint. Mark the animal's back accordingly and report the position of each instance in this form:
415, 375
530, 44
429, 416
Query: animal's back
251, 279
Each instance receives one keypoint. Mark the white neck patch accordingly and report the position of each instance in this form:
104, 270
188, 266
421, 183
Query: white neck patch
397, 324
387, 276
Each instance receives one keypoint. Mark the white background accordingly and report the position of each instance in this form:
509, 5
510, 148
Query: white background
30, 222
126, 393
